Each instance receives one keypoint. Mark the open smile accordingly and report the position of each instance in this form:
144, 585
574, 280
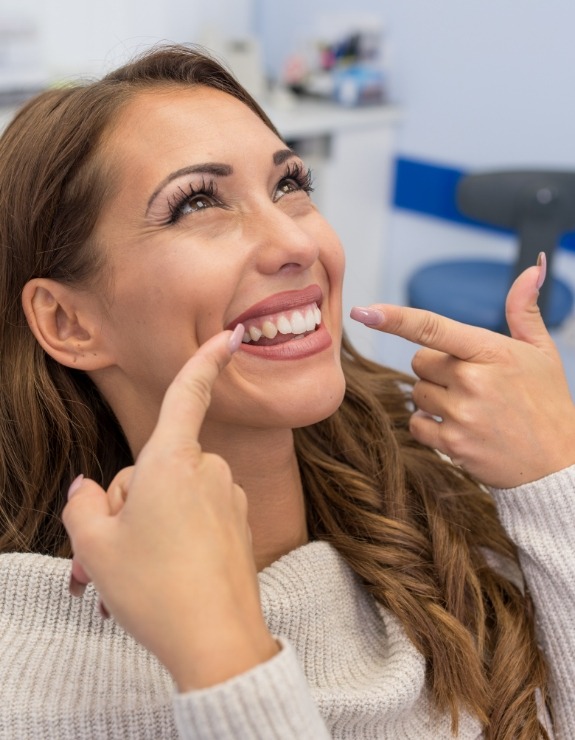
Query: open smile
282, 327
287, 325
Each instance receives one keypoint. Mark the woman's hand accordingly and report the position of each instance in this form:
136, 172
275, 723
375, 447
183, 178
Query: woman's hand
498, 406
169, 547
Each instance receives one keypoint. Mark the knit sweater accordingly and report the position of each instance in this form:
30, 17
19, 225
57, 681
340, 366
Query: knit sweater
346, 668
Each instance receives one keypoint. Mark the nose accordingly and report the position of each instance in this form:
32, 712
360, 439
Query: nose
281, 241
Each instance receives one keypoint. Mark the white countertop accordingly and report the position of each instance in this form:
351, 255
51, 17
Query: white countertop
317, 118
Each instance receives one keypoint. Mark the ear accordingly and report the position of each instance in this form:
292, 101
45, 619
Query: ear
67, 323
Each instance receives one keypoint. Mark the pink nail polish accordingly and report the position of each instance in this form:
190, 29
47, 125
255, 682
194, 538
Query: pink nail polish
367, 316
103, 610
542, 264
75, 485
75, 587
236, 338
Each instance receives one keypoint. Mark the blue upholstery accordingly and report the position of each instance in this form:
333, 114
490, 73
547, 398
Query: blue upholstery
539, 206
473, 291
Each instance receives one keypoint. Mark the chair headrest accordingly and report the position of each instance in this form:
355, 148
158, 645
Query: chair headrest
511, 198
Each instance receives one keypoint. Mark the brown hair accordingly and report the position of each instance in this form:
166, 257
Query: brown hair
412, 526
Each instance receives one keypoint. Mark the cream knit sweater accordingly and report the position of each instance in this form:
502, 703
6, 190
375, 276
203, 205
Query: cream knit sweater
346, 670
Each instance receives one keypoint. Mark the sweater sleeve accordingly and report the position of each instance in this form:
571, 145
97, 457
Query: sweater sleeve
269, 702
540, 518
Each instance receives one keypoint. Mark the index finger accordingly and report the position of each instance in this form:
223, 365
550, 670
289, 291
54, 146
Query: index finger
428, 329
189, 395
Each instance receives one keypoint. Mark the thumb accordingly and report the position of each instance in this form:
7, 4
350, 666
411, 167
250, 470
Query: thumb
521, 308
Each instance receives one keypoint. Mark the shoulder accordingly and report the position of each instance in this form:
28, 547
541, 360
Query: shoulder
34, 594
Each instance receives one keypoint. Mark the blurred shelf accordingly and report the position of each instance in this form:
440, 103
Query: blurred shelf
317, 118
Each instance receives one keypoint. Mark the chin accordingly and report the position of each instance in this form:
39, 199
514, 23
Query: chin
315, 405
286, 396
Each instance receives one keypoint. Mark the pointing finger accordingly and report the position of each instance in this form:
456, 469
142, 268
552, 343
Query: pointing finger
189, 395
427, 329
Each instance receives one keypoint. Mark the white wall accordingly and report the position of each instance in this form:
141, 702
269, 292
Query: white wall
484, 84
482, 81
83, 36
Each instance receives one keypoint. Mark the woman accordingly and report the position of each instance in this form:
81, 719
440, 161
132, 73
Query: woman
156, 216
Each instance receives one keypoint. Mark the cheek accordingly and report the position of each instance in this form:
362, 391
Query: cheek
331, 253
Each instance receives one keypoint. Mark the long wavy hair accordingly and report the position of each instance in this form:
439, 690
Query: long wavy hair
417, 530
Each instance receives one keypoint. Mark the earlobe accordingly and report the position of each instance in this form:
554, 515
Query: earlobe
62, 320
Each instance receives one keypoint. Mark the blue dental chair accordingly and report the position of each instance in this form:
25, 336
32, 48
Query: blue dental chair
539, 206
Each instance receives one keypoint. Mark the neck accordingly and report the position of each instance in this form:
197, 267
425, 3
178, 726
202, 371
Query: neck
264, 464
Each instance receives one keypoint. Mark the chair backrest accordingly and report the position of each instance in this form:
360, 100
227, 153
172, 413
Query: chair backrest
538, 204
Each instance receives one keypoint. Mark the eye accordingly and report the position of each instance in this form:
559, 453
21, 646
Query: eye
295, 179
192, 199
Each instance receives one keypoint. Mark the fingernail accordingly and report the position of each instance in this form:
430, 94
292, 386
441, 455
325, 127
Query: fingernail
236, 338
542, 264
103, 611
76, 587
75, 485
367, 316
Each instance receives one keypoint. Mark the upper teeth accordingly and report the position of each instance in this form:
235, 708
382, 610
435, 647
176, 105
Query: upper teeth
292, 322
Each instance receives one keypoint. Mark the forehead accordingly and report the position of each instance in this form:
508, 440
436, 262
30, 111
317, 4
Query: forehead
193, 122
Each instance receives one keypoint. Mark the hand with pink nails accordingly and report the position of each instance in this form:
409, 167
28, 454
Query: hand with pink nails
168, 547
498, 406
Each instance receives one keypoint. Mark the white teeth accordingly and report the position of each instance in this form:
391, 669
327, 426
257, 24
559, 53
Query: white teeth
317, 314
284, 325
269, 329
298, 325
310, 319
255, 333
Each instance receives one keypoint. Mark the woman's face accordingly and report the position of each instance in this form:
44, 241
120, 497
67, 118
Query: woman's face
211, 224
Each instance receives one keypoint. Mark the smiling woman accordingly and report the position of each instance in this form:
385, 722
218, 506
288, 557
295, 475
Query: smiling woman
288, 542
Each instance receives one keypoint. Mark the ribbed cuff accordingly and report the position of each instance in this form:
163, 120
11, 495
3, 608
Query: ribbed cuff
272, 701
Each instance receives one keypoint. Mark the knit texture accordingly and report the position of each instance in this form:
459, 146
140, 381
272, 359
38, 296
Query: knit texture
542, 523
346, 668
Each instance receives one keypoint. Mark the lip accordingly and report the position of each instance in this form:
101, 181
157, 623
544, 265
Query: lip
284, 301
296, 349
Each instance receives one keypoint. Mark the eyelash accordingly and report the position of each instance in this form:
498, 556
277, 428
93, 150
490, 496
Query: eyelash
302, 178
185, 195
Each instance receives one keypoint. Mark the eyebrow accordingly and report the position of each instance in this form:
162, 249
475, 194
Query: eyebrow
212, 168
283, 155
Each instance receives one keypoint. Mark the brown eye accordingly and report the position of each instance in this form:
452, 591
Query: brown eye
196, 203
287, 186
295, 179
192, 200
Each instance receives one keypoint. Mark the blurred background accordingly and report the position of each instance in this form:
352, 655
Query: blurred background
390, 101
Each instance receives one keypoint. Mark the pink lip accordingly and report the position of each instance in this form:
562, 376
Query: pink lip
284, 301
299, 349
